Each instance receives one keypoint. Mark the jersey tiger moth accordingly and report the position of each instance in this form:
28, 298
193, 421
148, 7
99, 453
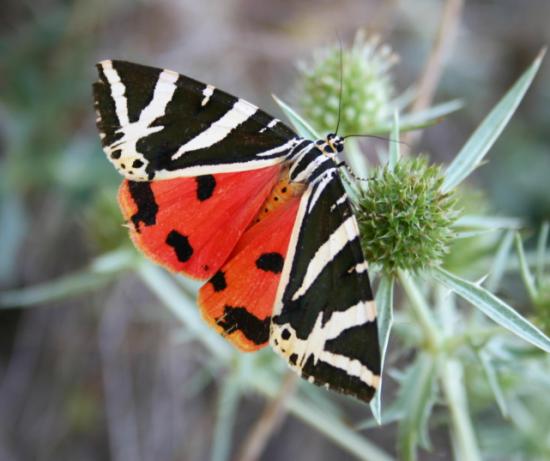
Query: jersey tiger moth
219, 190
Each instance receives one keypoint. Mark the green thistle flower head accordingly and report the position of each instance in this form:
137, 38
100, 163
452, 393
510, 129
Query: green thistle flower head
404, 218
366, 86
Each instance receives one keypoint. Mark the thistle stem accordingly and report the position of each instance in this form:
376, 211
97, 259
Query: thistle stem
422, 311
463, 433
451, 372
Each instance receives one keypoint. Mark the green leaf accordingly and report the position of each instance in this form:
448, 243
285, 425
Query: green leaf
488, 222
494, 383
99, 273
228, 401
419, 120
184, 308
431, 115
494, 308
384, 304
303, 128
498, 268
462, 433
525, 272
404, 99
541, 251
473, 233
473, 152
392, 414
419, 388
394, 153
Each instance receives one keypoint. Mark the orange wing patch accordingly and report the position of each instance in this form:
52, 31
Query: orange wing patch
238, 299
192, 225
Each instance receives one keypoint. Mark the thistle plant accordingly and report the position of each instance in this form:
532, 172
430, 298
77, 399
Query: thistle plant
365, 98
404, 218
464, 361
408, 219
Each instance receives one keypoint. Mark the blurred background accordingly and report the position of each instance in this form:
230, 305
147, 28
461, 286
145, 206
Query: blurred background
106, 374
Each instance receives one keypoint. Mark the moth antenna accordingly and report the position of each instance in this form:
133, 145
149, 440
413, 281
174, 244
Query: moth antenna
343, 164
341, 84
382, 138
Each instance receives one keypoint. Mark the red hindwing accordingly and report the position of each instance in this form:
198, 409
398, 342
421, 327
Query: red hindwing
192, 225
238, 300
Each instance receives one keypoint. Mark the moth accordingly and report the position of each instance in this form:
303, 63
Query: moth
218, 190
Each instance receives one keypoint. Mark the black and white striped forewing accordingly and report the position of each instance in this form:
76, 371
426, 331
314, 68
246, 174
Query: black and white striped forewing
156, 123
324, 320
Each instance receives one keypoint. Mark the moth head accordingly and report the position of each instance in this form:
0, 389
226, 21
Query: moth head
335, 143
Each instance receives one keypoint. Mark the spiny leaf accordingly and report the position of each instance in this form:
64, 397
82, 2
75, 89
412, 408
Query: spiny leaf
384, 305
494, 383
494, 308
303, 128
419, 387
394, 153
483, 138
99, 273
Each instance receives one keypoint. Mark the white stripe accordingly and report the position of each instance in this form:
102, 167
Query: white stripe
320, 186
207, 92
270, 124
164, 90
359, 268
351, 367
286, 146
118, 92
358, 314
346, 232
309, 168
239, 113
315, 344
133, 132
292, 245
198, 170
339, 202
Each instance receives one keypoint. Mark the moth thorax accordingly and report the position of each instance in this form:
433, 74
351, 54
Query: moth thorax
282, 193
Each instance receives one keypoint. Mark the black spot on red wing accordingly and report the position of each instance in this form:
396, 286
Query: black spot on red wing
270, 262
218, 281
238, 318
144, 199
283, 190
180, 244
205, 186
